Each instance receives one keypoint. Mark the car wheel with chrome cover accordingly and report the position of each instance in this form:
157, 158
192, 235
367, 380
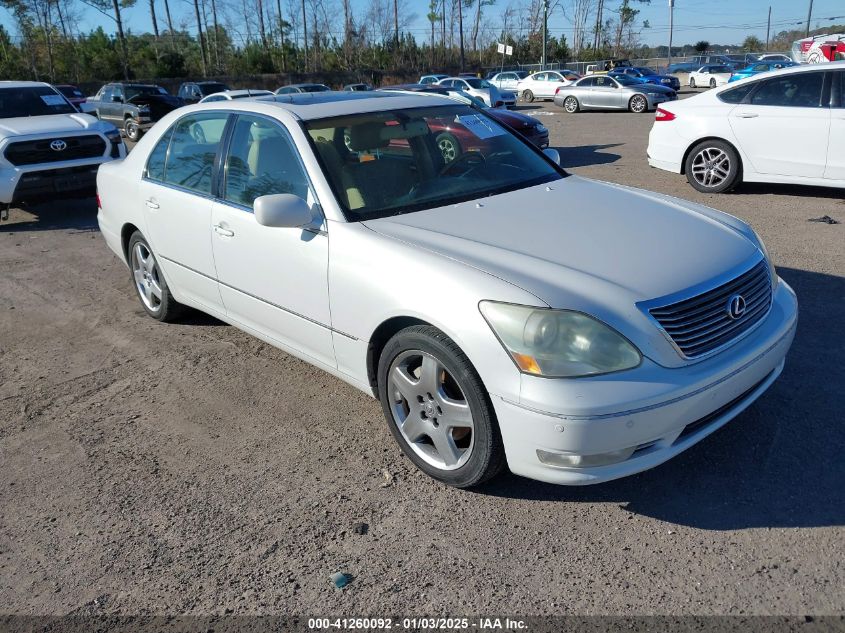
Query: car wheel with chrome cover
713, 167
438, 409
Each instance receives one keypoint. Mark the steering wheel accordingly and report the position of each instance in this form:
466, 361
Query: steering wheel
468, 157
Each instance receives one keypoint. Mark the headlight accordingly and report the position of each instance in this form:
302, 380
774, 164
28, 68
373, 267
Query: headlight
114, 137
558, 343
541, 128
666, 81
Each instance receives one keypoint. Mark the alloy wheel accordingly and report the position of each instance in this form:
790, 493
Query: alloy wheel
638, 104
448, 149
711, 167
146, 275
570, 105
430, 410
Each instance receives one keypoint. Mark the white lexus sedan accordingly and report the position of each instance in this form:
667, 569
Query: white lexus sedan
503, 311
712, 75
786, 126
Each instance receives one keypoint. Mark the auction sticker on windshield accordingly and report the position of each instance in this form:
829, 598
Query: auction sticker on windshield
480, 126
53, 100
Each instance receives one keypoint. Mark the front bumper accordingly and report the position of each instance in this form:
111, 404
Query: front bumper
31, 186
652, 411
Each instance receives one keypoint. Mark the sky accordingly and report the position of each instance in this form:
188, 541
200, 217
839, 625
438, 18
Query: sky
717, 21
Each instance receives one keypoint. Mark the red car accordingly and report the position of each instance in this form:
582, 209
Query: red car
455, 141
72, 94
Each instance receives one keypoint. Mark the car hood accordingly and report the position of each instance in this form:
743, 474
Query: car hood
657, 87
585, 245
47, 124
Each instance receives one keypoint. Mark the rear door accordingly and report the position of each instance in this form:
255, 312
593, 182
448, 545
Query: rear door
176, 194
835, 169
785, 126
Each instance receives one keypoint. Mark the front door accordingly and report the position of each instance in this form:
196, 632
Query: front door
784, 128
176, 194
605, 93
273, 281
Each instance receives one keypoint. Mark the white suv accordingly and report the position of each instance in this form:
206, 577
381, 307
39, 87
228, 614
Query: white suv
47, 147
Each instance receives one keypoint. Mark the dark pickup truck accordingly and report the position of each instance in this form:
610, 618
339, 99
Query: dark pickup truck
133, 108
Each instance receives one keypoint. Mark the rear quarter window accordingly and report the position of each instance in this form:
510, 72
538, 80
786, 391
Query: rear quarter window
738, 94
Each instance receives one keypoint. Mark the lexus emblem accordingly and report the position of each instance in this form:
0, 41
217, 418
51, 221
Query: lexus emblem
736, 307
58, 145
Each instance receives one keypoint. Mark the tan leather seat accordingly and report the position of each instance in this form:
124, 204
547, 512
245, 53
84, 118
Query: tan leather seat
334, 165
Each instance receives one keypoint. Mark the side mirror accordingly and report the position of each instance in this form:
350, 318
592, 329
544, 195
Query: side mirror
553, 155
282, 210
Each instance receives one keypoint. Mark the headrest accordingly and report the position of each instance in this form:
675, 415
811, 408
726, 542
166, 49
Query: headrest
367, 136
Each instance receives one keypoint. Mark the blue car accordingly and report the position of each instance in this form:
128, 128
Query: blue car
759, 67
645, 75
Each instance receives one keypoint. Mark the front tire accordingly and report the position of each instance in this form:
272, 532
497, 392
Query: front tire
638, 104
449, 147
712, 83
713, 167
438, 409
149, 282
571, 105
527, 96
691, 82
132, 130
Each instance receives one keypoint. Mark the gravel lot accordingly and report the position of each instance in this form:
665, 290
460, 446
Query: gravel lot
192, 469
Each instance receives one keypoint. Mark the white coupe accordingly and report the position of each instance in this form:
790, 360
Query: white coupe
543, 85
503, 311
711, 76
786, 126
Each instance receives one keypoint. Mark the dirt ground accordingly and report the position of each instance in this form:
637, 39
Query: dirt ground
191, 469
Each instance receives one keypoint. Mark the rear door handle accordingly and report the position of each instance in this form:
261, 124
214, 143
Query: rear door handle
747, 115
152, 204
222, 231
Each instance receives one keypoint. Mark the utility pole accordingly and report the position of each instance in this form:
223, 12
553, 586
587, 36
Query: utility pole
809, 16
671, 25
768, 28
545, 31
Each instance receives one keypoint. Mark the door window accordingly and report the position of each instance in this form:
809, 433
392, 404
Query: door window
799, 90
190, 161
155, 163
262, 160
604, 82
107, 93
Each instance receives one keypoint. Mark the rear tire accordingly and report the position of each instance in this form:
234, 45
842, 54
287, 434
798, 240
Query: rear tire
438, 409
713, 167
691, 82
149, 283
712, 83
527, 96
571, 105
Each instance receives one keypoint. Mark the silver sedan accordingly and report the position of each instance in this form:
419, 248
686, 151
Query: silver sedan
602, 92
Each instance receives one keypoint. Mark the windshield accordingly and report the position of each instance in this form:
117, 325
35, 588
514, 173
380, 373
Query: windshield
391, 163
34, 101
477, 83
646, 71
314, 88
210, 89
70, 91
625, 80
719, 69
134, 91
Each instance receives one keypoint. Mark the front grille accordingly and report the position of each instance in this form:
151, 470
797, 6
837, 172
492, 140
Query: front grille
701, 324
34, 152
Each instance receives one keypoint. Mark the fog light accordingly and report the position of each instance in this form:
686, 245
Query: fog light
571, 460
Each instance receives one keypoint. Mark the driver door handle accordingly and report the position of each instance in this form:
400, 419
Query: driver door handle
747, 115
223, 231
152, 204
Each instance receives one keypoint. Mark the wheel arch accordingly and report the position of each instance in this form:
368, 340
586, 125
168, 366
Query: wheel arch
381, 335
710, 138
126, 232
